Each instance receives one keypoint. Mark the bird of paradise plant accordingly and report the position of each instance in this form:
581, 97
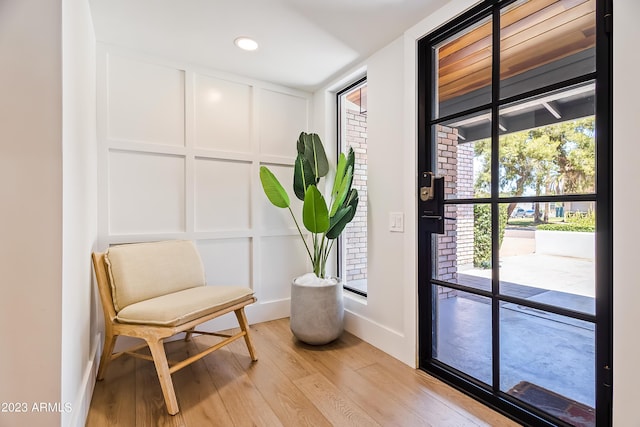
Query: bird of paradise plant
324, 221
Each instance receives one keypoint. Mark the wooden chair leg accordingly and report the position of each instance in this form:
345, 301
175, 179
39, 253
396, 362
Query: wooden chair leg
244, 325
107, 351
162, 368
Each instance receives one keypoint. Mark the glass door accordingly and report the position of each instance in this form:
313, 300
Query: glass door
515, 271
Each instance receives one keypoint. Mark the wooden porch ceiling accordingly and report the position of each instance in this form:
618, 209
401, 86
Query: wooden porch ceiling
533, 33
359, 97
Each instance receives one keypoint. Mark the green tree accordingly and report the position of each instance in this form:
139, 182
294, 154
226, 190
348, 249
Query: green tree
554, 159
576, 155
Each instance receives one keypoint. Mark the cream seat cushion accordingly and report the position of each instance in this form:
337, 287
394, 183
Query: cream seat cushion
183, 306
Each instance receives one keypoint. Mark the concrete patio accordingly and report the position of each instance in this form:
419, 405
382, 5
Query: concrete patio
552, 351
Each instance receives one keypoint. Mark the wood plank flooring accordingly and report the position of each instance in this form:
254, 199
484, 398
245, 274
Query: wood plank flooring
345, 383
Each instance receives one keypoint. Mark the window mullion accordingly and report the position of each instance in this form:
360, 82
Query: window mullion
495, 188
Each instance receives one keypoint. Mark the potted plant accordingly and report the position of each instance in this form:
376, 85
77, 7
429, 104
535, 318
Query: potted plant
316, 300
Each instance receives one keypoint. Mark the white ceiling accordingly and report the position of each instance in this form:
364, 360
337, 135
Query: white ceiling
303, 43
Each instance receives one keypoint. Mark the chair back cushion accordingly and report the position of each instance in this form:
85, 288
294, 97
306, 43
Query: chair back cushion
141, 271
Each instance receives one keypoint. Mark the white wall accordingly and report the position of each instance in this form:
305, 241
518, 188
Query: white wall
179, 152
386, 318
31, 214
626, 203
79, 204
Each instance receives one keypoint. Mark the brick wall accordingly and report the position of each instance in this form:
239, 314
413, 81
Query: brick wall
455, 246
445, 261
465, 189
355, 233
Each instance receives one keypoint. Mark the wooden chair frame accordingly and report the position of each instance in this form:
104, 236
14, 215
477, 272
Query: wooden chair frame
154, 335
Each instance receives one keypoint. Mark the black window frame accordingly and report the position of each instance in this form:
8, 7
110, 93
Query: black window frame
340, 249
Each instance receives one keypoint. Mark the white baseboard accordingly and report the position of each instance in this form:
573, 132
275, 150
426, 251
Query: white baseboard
386, 339
81, 405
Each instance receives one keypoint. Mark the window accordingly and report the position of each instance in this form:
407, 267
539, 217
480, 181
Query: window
352, 133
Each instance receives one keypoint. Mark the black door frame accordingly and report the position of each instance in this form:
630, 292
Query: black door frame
603, 318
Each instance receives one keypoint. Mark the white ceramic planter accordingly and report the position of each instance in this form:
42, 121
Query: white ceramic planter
317, 312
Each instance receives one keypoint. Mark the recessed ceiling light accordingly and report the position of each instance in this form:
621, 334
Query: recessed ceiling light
246, 43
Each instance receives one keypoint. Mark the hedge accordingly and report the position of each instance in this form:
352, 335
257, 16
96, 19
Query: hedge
482, 233
585, 222
566, 227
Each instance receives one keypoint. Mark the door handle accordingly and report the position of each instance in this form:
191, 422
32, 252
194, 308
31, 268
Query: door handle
431, 195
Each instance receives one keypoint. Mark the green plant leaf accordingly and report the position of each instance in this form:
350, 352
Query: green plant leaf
300, 143
338, 222
273, 189
340, 172
315, 215
344, 215
340, 190
303, 176
321, 157
351, 157
352, 199
314, 153
343, 191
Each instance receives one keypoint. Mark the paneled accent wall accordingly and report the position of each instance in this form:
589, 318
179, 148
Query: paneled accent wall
179, 156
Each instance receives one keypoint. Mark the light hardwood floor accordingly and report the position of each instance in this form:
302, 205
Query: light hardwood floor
345, 383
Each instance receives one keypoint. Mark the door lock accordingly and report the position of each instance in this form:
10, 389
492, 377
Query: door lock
426, 186
432, 202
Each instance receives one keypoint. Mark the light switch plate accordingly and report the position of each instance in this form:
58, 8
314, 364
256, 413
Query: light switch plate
396, 222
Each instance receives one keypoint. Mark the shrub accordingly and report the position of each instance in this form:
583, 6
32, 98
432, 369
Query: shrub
482, 233
577, 221
586, 219
566, 227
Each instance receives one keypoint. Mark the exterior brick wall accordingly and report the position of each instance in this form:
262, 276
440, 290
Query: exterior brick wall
465, 212
355, 233
455, 246
447, 139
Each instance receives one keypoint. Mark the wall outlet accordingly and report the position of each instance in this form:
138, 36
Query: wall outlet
396, 222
